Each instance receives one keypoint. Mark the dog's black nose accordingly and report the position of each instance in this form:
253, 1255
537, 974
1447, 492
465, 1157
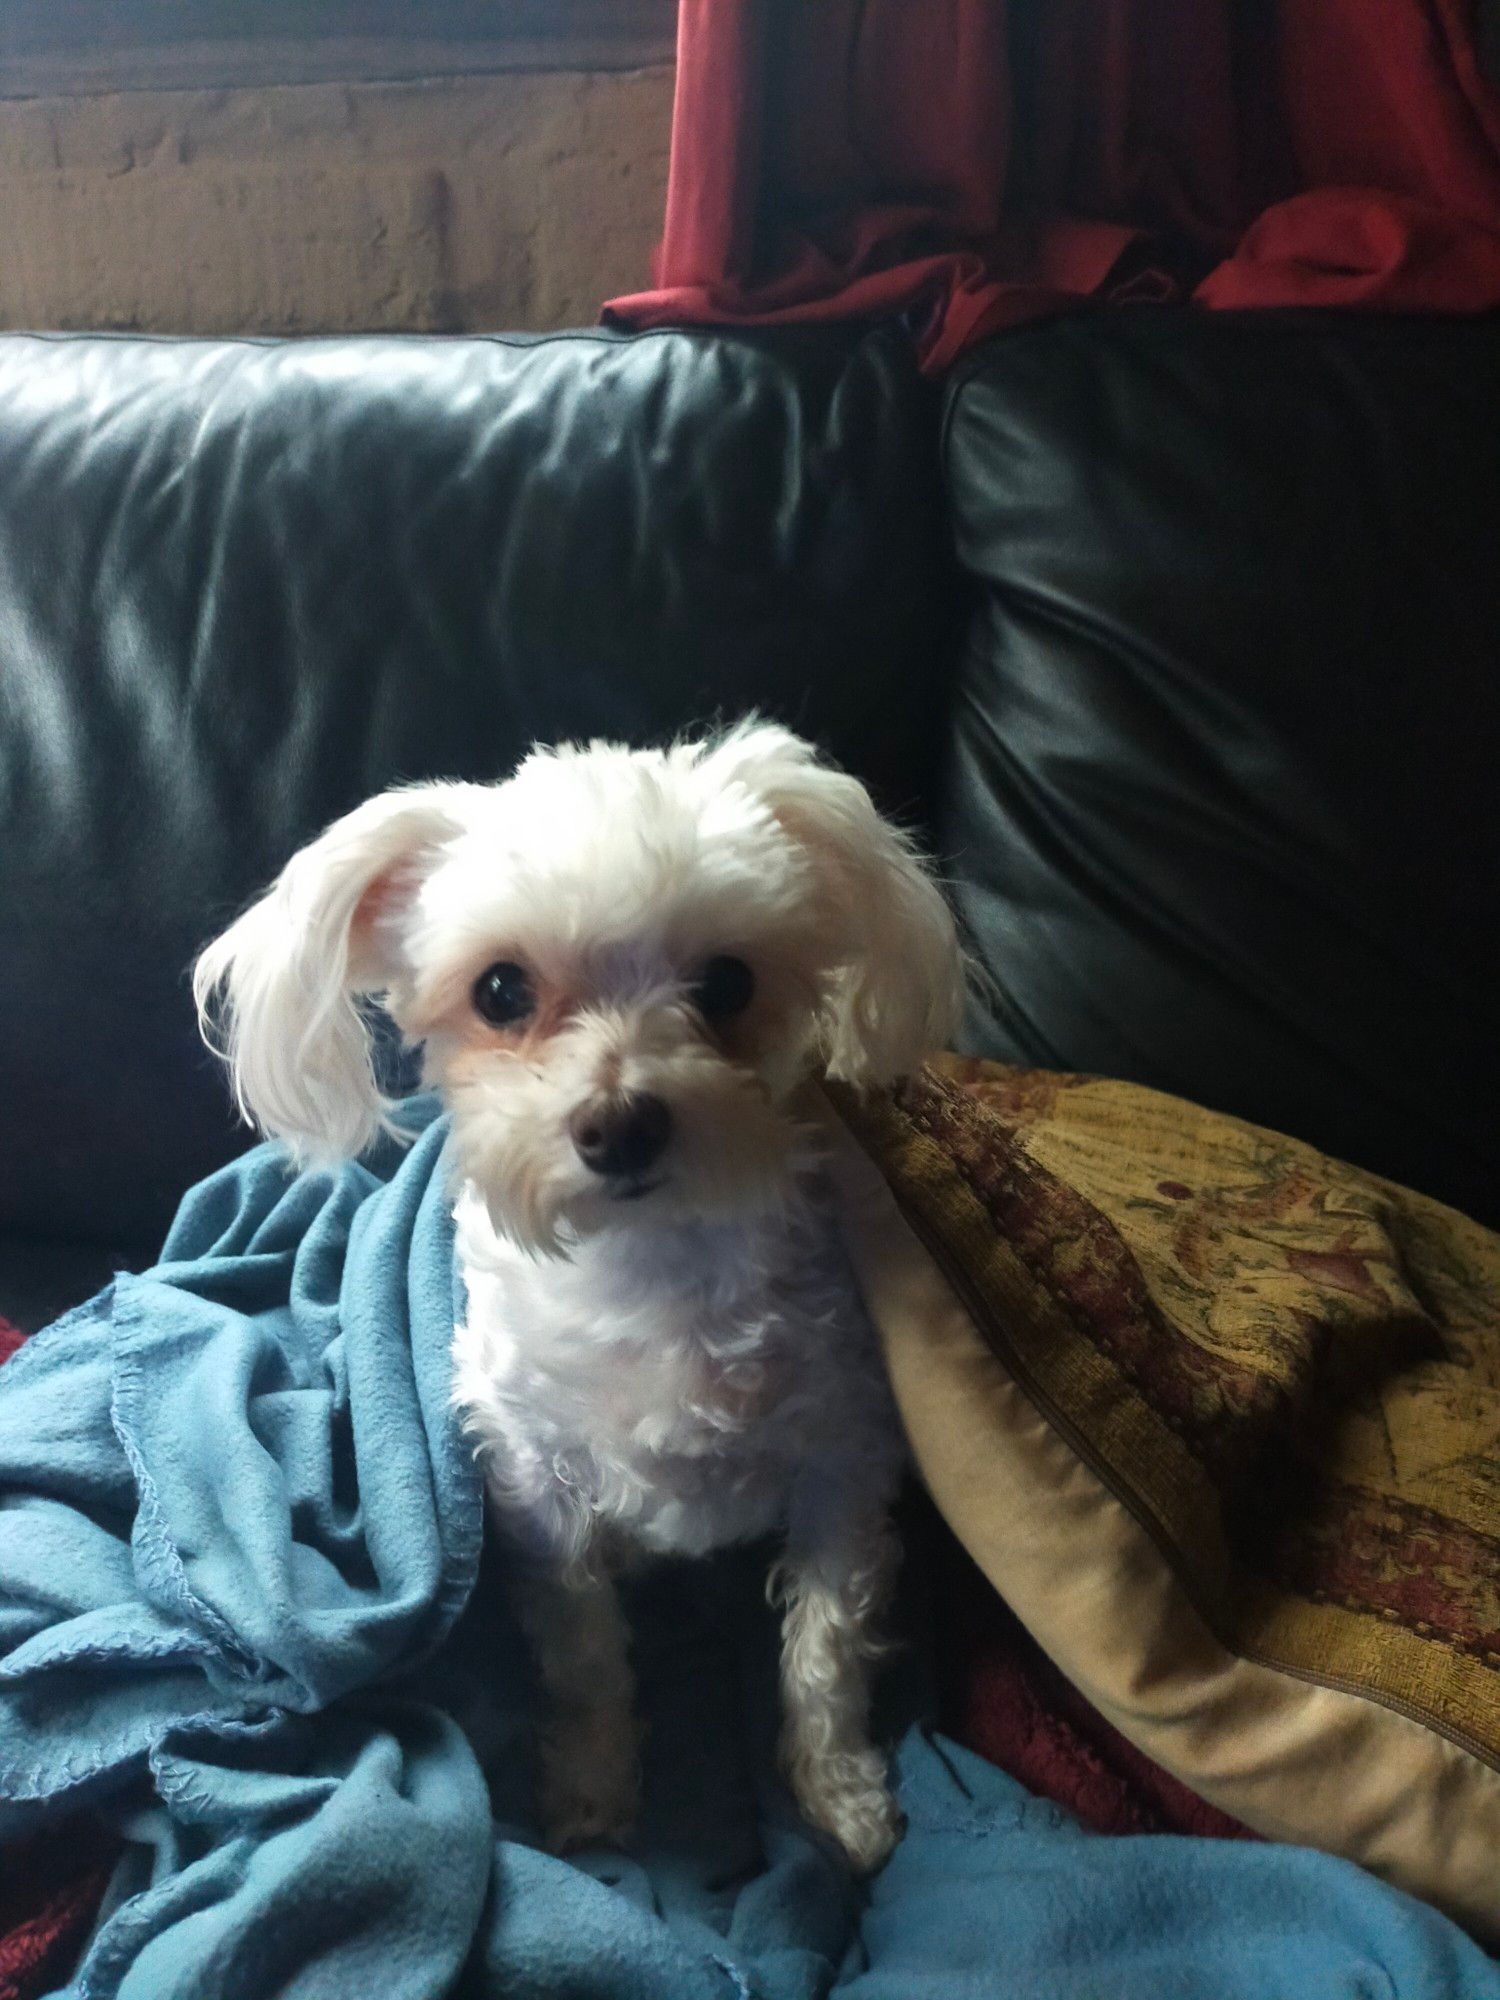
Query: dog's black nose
621, 1136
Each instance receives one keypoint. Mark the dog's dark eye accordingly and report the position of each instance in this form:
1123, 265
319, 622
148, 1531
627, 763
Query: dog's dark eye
503, 995
723, 988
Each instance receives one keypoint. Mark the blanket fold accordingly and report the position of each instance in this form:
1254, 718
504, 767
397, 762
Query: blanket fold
244, 1620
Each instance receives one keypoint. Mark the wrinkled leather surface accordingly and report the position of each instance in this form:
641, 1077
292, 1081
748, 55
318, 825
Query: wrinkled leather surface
1223, 802
1218, 793
243, 585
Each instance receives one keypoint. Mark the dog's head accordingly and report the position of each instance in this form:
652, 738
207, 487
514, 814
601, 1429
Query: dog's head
620, 964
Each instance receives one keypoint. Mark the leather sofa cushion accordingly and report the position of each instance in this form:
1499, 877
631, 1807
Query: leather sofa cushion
244, 584
39, 1281
1222, 798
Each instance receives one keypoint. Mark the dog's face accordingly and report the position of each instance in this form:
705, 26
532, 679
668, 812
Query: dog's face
620, 964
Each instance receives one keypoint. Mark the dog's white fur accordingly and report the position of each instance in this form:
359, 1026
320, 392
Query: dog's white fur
659, 1366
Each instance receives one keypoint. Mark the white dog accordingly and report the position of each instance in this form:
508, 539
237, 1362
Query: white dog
620, 966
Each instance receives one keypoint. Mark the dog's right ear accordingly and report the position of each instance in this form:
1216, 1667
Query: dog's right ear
898, 986
278, 993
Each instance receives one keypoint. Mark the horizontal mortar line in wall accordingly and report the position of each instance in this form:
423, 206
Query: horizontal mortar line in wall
260, 64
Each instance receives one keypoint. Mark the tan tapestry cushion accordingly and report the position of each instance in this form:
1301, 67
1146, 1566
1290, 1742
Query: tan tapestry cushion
1220, 1418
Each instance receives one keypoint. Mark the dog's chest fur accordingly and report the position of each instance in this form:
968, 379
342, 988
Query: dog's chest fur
666, 1386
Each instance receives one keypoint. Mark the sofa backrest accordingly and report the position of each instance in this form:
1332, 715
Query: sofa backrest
1222, 799
245, 584
1211, 769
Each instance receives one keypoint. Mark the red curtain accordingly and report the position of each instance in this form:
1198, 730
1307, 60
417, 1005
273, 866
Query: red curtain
973, 162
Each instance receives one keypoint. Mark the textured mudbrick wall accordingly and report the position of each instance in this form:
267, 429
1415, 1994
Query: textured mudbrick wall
517, 200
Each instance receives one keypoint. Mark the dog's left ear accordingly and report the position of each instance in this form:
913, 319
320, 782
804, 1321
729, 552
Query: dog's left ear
897, 993
278, 993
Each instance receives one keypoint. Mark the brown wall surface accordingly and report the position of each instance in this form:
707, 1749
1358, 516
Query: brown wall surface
519, 199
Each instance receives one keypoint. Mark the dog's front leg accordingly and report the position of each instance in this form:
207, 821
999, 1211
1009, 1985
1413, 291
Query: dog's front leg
833, 1582
589, 1741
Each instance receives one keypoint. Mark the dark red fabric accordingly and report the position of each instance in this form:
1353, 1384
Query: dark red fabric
49, 1898
50, 1889
975, 162
1002, 1697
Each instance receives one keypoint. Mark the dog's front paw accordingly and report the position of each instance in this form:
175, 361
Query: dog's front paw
848, 1797
589, 1791
568, 1824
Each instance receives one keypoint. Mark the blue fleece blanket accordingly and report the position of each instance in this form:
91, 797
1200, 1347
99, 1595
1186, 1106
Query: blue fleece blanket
243, 1615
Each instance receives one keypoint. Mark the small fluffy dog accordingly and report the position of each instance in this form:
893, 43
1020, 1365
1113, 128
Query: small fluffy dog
620, 966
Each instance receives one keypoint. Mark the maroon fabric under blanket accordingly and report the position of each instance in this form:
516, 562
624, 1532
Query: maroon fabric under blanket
49, 1897
975, 162
1001, 1697
50, 1889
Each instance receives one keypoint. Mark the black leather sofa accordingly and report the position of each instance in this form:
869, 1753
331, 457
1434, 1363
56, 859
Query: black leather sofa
1177, 635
